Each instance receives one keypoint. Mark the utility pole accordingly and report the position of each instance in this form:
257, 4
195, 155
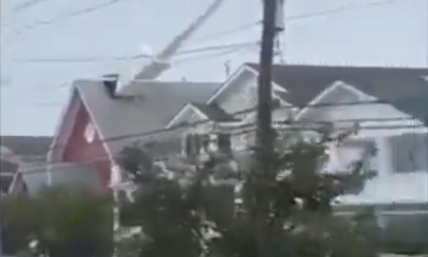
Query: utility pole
264, 132
265, 136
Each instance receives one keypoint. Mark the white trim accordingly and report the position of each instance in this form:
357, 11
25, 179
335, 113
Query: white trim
228, 82
327, 91
98, 130
61, 126
13, 184
275, 86
236, 74
199, 112
231, 123
183, 111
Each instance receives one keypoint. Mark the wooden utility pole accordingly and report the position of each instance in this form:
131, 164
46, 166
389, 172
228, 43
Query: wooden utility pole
265, 134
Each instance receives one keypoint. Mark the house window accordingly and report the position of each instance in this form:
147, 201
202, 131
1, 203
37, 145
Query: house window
224, 143
343, 158
89, 133
188, 145
193, 144
409, 152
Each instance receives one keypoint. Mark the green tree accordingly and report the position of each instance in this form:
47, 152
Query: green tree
20, 219
285, 208
64, 222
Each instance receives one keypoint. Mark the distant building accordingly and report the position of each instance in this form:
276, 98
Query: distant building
388, 107
17, 151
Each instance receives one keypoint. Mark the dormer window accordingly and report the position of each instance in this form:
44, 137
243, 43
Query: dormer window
90, 133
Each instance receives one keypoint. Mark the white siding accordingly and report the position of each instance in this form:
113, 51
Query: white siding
388, 186
240, 95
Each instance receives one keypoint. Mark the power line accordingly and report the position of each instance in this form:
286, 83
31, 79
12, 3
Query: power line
219, 47
214, 55
91, 160
343, 9
227, 32
69, 15
245, 111
176, 62
297, 17
290, 18
28, 4
132, 57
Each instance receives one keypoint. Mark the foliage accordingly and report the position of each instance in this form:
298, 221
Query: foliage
285, 208
20, 218
64, 222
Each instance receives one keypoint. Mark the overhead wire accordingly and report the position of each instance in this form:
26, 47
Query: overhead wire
36, 168
243, 27
227, 32
133, 57
321, 105
69, 15
234, 30
26, 5
180, 61
343, 9
228, 51
295, 17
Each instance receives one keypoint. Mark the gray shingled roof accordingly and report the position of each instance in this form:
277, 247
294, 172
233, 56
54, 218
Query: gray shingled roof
5, 182
26, 145
403, 87
154, 105
7, 166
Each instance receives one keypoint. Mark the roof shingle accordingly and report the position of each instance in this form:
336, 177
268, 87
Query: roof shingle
154, 104
26, 145
403, 87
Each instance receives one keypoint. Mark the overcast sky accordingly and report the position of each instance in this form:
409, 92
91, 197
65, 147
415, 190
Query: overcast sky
340, 32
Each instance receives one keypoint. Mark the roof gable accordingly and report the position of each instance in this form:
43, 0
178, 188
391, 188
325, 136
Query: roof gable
204, 112
242, 75
188, 112
213, 112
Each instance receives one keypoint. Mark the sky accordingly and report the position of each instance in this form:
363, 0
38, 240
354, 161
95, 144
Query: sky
44, 46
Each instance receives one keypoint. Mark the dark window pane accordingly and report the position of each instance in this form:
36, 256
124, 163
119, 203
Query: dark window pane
224, 144
410, 152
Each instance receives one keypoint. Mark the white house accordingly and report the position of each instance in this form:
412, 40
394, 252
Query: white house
389, 105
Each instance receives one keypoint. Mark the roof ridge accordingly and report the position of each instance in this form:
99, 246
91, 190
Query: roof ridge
76, 81
337, 66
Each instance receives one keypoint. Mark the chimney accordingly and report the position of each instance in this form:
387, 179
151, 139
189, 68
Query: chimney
111, 82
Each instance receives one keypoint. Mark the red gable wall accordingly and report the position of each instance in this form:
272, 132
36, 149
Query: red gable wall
78, 150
